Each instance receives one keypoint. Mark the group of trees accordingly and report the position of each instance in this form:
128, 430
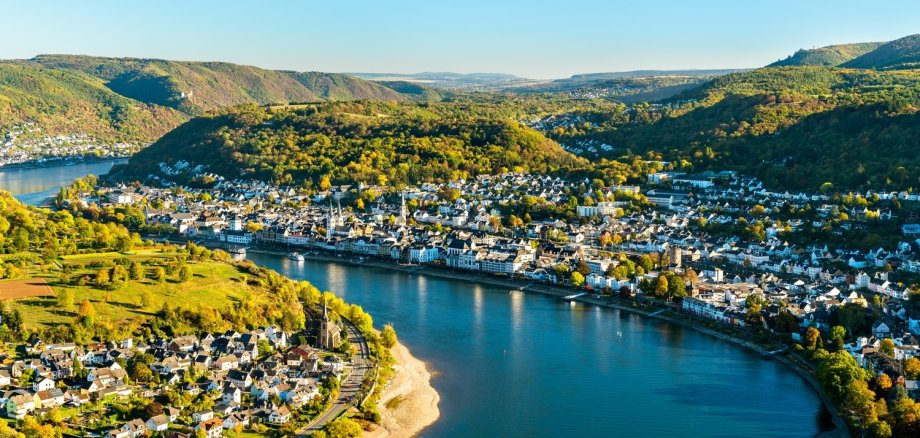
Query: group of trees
794, 127
667, 286
874, 403
356, 142
52, 234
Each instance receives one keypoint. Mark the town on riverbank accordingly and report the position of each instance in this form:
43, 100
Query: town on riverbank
808, 278
221, 349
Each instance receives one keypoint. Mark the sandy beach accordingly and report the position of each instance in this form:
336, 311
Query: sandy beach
416, 402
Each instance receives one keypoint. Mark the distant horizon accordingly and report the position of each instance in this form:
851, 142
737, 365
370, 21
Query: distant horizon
538, 40
355, 73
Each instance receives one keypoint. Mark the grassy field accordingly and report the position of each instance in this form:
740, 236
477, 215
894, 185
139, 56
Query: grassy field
212, 284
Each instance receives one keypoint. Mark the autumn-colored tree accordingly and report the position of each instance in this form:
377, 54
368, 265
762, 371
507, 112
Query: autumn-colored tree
577, 279
325, 183
388, 336
136, 271
912, 368
604, 240
102, 278
185, 273
883, 382
159, 274
86, 314
887, 347
812, 339
661, 287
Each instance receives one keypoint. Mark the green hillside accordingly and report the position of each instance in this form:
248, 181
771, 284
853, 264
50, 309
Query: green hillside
198, 86
828, 56
138, 100
900, 53
416, 91
367, 142
795, 127
67, 101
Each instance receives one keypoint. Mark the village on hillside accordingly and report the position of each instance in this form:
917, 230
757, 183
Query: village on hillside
260, 380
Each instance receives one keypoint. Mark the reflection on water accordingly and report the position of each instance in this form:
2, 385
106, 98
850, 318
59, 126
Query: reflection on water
536, 366
517, 364
32, 185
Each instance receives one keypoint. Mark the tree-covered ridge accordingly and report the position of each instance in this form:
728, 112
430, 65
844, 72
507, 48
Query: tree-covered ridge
63, 101
197, 86
371, 142
136, 101
829, 56
900, 53
795, 127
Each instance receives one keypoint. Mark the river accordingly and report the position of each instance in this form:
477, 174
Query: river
32, 185
509, 363
513, 364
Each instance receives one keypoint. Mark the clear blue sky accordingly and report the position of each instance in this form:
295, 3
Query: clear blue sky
538, 39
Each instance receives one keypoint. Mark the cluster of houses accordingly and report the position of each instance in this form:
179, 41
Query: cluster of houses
20, 145
462, 233
230, 365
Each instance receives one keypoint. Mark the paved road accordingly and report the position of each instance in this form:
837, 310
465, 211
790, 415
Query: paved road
348, 392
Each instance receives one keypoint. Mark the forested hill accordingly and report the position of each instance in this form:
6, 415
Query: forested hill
68, 101
138, 100
795, 127
197, 86
371, 142
900, 53
830, 56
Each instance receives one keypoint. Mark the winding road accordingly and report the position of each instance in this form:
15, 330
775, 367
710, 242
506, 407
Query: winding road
349, 392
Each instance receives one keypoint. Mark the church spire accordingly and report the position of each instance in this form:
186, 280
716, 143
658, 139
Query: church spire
403, 213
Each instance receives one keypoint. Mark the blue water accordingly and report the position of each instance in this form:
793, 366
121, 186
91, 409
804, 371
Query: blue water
512, 364
34, 185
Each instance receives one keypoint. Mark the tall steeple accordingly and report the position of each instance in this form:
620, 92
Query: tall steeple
330, 225
403, 213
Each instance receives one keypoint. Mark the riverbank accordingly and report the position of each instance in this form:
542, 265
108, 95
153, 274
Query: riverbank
57, 162
840, 428
409, 403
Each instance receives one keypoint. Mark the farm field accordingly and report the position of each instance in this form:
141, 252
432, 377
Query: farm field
14, 289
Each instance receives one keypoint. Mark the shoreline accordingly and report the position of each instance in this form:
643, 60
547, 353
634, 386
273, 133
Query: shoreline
840, 428
55, 162
408, 404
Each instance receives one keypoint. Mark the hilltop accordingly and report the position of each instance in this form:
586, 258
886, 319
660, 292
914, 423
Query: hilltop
195, 87
830, 56
136, 100
795, 127
371, 142
900, 53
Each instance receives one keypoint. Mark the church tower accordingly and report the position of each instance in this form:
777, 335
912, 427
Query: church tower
330, 335
330, 227
403, 211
